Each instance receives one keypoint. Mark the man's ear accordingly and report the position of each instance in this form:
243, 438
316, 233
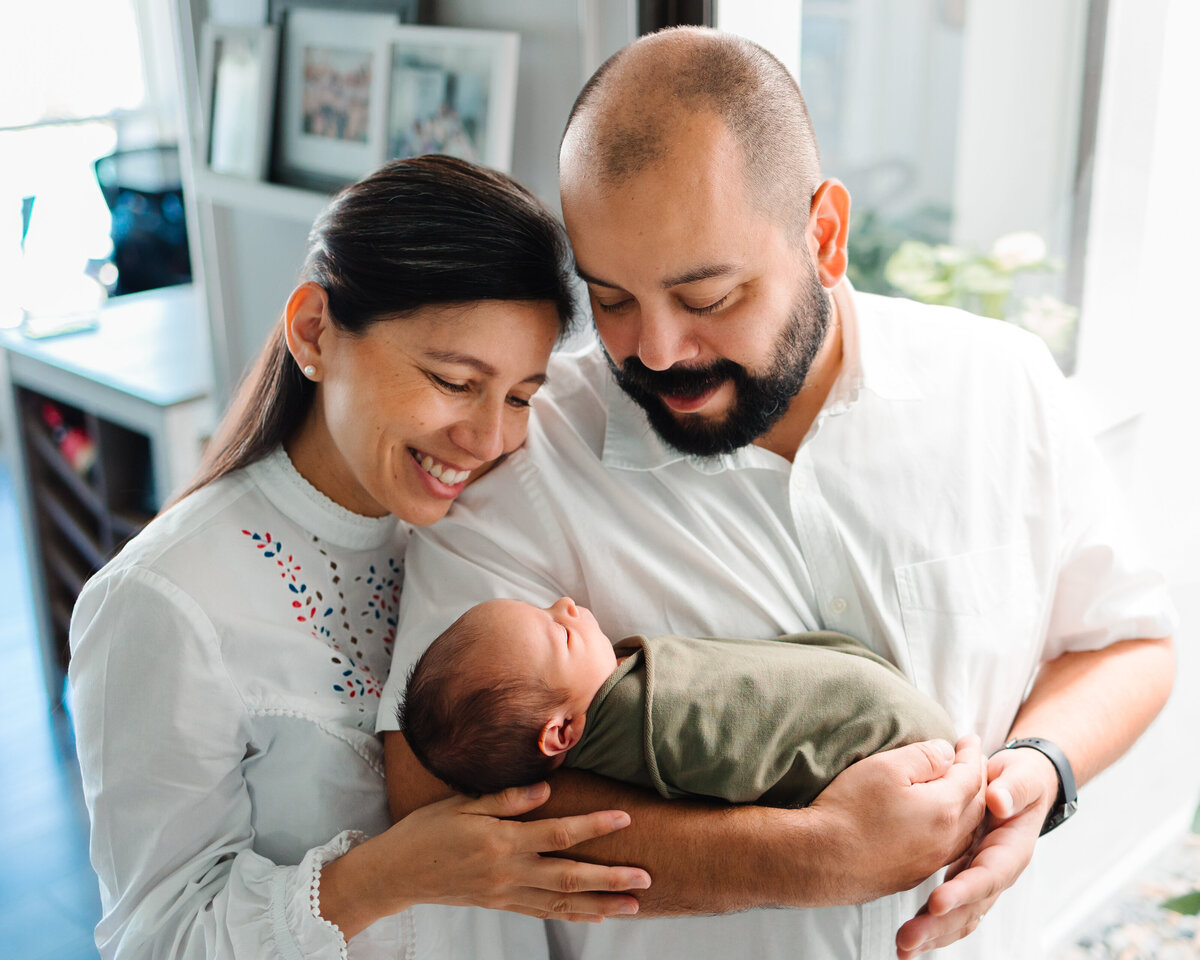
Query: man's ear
827, 230
305, 319
560, 734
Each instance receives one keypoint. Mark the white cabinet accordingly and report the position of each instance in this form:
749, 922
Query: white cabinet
140, 386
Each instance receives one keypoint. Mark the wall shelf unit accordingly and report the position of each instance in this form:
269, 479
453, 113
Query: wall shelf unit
248, 237
272, 199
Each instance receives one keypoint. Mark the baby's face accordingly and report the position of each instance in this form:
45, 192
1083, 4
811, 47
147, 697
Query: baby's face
562, 643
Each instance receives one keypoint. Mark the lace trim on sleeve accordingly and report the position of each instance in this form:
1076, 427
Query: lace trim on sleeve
302, 908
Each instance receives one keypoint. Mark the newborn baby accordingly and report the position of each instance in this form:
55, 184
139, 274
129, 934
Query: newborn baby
511, 691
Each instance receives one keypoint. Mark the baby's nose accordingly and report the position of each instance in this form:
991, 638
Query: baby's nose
568, 606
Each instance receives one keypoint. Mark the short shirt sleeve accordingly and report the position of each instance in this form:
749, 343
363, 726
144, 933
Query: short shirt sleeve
1106, 591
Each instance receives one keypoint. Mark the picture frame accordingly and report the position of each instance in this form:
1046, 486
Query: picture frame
401, 11
238, 72
332, 97
452, 91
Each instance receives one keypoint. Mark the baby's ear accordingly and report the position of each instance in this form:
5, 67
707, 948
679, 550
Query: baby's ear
560, 734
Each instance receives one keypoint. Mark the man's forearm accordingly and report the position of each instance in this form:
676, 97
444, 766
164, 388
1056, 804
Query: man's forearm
1095, 704
883, 825
703, 857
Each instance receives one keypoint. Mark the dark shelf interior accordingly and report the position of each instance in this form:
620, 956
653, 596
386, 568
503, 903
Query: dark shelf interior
83, 516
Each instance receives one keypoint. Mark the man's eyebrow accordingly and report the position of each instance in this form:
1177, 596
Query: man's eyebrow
704, 272
466, 360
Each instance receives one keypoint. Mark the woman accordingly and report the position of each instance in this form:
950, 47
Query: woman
226, 666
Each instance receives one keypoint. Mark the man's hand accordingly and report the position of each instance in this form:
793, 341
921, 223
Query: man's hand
898, 817
1022, 787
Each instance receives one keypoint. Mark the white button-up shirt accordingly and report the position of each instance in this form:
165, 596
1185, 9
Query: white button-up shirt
946, 508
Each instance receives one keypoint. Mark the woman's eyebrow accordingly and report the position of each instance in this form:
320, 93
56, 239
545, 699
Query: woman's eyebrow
463, 359
466, 360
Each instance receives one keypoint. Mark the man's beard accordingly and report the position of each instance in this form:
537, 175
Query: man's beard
760, 400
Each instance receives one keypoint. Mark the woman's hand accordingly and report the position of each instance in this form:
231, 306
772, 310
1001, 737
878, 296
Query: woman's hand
461, 851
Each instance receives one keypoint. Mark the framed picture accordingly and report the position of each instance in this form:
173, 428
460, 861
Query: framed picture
238, 72
402, 11
453, 91
333, 94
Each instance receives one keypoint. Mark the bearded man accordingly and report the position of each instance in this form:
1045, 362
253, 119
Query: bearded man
754, 449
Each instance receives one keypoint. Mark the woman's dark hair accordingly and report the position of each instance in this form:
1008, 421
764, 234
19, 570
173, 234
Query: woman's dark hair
415, 233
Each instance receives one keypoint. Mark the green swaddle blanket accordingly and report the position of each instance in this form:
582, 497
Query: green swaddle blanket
766, 721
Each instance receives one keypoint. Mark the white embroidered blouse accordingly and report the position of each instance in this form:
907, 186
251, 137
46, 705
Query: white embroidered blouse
225, 675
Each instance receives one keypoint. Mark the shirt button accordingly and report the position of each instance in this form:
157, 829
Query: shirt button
838, 605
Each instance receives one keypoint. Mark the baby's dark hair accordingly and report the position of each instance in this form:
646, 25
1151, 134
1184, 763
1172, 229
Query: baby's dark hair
472, 726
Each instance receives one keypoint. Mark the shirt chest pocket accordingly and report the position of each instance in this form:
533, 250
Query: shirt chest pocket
970, 622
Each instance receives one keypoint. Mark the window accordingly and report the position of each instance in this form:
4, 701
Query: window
964, 131
76, 83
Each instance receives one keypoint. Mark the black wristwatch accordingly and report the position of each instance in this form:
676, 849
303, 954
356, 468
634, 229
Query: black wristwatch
1067, 801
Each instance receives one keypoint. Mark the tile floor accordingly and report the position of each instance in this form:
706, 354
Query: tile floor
49, 901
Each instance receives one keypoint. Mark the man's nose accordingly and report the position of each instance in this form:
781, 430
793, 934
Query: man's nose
664, 339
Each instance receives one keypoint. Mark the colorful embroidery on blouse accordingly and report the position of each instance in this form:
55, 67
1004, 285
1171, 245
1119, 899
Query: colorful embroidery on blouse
330, 620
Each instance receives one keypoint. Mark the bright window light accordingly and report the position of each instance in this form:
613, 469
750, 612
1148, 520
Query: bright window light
73, 70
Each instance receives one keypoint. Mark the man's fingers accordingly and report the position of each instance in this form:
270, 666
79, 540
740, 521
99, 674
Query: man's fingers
509, 803
1017, 782
1001, 859
927, 932
924, 761
974, 885
968, 770
561, 833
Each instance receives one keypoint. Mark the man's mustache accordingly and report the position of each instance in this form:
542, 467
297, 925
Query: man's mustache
677, 381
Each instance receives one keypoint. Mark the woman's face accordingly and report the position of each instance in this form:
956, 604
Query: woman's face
408, 412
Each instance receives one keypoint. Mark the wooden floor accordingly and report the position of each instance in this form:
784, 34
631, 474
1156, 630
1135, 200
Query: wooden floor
49, 900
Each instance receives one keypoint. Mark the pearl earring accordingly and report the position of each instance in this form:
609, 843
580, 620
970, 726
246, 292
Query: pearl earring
310, 371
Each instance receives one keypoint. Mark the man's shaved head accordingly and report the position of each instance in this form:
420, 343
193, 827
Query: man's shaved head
627, 114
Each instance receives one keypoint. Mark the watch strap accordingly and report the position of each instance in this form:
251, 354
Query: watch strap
1067, 801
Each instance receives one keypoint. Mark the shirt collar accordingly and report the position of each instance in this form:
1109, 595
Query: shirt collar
283, 485
630, 443
867, 362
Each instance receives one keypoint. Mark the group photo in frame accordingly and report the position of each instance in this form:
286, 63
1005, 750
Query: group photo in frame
453, 91
332, 98
319, 97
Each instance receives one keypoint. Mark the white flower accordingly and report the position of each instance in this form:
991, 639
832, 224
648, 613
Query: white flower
1016, 250
1050, 319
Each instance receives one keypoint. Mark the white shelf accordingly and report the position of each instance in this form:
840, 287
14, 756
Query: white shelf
287, 203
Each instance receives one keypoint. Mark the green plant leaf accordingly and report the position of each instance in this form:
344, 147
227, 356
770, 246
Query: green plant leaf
1189, 903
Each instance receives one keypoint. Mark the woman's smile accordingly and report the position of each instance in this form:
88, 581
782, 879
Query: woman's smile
441, 479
